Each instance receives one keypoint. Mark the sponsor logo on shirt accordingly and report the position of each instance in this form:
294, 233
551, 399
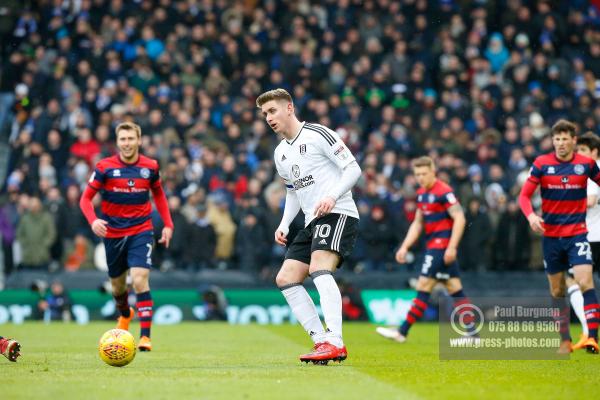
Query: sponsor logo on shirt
128, 190
303, 182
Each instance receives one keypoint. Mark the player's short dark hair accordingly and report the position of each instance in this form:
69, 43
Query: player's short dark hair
590, 140
562, 125
129, 126
275, 94
423, 161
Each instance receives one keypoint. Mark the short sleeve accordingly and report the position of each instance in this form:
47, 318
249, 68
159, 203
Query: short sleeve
97, 178
535, 173
594, 172
449, 199
155, 176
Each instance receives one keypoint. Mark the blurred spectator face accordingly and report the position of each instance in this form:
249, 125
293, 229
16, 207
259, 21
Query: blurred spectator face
102, 134
72, 194
57, 288
35, 205
53, 194
250, 220
174, 203
84, 135
229, 164
53, 107
377, 213
474, 206
513, 207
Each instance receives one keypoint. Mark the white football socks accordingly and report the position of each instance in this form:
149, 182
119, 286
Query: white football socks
304, 310
331, 305
576, 300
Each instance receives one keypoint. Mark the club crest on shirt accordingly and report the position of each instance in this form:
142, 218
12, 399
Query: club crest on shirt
579, 169
296, 170
145, 173
302, 149
131, 183
431, 198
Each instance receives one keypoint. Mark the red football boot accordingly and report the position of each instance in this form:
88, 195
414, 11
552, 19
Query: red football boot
10, 348
325, 352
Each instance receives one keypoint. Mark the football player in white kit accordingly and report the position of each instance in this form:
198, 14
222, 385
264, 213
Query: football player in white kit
588, 144
319, 172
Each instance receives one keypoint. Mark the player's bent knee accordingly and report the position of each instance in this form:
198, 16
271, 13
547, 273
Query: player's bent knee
139, 281
586, 284
282, 280
323, 260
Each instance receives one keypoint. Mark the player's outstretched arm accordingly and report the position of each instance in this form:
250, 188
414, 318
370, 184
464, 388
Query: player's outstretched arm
535, 221
458, 228
290, 210
87, 208
414, 231
162, 206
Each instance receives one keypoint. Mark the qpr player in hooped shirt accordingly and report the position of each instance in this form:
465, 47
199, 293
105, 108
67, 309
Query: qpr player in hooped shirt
562, 176
125, 181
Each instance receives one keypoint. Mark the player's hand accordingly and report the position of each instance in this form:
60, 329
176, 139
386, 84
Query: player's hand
401, 255
99, 227
324, 206
449, 255
167, 234
280, 237
536, 223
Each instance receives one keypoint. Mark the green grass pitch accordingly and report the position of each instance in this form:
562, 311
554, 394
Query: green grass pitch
221, 361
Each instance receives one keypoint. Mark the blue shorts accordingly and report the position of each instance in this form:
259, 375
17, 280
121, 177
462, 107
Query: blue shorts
562, 253
129, 251
434, 267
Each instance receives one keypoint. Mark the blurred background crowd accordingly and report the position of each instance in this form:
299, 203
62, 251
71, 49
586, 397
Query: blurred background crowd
474, 84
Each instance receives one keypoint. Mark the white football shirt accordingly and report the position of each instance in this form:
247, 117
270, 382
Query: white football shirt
592, 217
311, 165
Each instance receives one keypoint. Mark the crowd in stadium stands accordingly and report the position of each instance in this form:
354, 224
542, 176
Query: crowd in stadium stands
475, 84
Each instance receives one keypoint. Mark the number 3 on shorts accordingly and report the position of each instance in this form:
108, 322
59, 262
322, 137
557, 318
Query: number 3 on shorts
427, 264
